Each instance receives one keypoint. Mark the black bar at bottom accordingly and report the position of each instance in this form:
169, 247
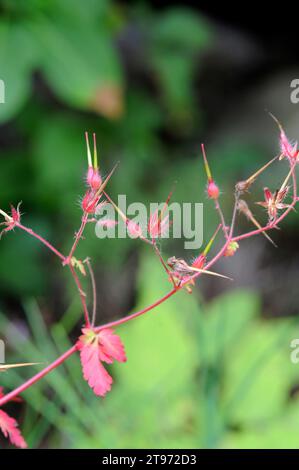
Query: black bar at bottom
132, 458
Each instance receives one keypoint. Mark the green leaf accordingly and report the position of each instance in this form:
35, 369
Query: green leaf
59, 160
18, 56
259, 366
175, 78
176, 36
81, 65
280, 433
228, 318
180, 27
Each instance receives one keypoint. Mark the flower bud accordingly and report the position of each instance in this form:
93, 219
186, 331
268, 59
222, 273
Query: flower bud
134, 229
287, 149
231, 249
93, 178
199, 261
90, 201
213, 190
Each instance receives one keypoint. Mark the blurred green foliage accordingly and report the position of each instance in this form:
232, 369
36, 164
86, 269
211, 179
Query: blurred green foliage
214, 376
208, 375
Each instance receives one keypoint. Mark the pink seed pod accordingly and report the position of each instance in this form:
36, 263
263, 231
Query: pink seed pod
212, 190
287, 149
12, 220
90, 201
199, 261
93, 178
157, 225
15, 213
134, 229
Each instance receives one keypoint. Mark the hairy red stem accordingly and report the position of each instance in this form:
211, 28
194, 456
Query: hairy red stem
63, 258
78, 236
42, 240
17, 391
82, 295
94, 291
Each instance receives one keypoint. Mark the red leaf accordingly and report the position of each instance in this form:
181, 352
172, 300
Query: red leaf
97, 347
9, 427
93, 371
111, 347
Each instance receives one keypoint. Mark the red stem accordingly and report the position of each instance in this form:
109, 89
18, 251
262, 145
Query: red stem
41, 239
94, 291
139, 313
64, 259
37, 377
78, 236
82, 295
221, 216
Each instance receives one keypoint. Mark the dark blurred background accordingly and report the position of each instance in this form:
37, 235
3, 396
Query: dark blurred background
153, 80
